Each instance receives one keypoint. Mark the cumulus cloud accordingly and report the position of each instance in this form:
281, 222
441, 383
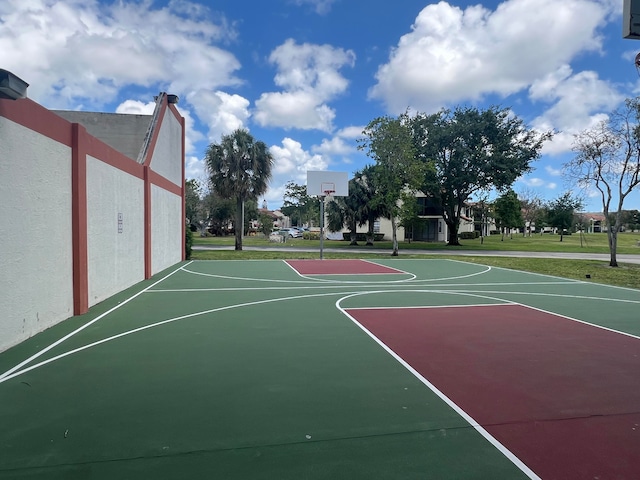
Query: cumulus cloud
222, 112
292, 160
80, 53
342, 144
578, 101
310, 78
291, 163
454, 55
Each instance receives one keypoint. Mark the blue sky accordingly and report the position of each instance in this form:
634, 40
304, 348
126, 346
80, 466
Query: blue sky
305, 76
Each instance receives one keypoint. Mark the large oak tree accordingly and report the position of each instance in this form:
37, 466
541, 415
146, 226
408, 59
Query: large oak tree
472, 150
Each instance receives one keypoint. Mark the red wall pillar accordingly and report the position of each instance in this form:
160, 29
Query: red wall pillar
147, 222
79, 218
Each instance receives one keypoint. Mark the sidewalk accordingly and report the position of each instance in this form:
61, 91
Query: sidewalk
622, 258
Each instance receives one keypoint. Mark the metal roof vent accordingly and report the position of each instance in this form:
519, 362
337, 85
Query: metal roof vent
11, 86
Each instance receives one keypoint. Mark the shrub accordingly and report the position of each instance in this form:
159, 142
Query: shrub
311, 235
188, 243
362, 237
467, 235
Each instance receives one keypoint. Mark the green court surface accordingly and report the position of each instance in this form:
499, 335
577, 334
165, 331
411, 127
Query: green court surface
252, 370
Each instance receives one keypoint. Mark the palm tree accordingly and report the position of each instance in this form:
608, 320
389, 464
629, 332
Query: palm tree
239, 168
373, 206
347, 211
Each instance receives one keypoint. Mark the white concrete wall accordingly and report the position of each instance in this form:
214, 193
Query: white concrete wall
166, 229
168, 150
36, 280
115, 230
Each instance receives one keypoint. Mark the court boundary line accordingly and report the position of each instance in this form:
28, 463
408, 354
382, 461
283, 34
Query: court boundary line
540, 294
313, 279
468, 418
426, 307
14, 373
573, 280
416, 284
4, 376
313, 276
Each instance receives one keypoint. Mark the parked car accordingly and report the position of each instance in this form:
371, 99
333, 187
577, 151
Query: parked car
291, 232
277, 236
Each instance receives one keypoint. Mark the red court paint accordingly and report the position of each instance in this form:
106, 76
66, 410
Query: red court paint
563, 396
338, 267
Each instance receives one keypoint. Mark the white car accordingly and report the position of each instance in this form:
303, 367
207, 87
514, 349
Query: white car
291, 232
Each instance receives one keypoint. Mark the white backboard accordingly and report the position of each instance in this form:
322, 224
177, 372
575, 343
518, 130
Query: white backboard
319, 183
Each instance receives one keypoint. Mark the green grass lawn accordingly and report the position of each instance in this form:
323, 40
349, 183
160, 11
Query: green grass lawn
586, 243
626, 275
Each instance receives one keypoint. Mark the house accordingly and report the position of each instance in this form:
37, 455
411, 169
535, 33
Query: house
594, 222
431, 226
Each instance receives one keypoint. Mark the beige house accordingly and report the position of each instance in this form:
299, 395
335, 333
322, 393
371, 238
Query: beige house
432, 227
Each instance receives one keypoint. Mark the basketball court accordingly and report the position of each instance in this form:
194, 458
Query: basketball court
393, 368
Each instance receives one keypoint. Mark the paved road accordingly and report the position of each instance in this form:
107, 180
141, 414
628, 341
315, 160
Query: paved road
622, 258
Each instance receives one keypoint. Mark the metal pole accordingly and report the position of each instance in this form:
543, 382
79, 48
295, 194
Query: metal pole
321, 226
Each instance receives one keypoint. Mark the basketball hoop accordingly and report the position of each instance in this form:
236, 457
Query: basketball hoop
636, 62
328, 188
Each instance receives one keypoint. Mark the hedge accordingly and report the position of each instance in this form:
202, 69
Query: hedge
362, 237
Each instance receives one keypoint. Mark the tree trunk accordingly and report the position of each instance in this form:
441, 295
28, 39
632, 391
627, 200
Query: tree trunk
452, 226
612, 236
370, 235
352, 233
394, 235
239, 224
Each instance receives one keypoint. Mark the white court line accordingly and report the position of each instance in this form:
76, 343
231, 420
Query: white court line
540, 294
421, 307
417, 284
468, 418
228, 277
12, 373
347, 282
386, 266
580, 321
69, 335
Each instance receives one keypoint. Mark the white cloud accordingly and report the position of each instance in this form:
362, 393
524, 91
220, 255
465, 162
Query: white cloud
452, 55
533, 182
293, 161
136, 107
288, 110
321, 7
352, 132
194, 169
580, 101
77, 53
342, 144
310, 77
554, 172
222, 112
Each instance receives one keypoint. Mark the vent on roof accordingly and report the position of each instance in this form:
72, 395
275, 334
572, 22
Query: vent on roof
12, 87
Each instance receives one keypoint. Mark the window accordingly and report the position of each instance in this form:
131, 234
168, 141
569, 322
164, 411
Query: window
428, 207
